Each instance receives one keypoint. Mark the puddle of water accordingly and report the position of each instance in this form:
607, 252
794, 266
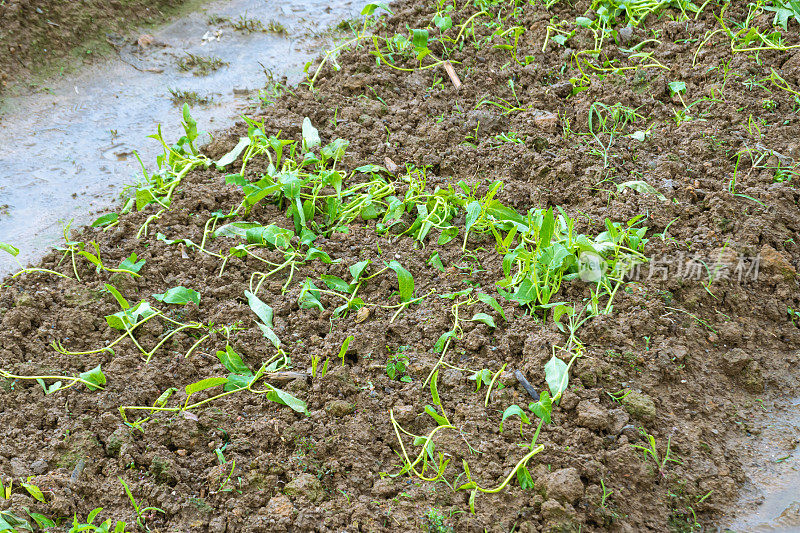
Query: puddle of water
771, 499
67, 153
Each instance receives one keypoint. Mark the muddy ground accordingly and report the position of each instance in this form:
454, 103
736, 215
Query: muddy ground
698, 356
38, 36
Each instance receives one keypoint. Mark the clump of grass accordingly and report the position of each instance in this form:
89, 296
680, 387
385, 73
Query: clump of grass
218, 19
251, 25
200, 65
181, 97
435, 522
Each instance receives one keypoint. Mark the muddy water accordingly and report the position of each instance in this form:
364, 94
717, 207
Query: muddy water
67, 151
771, 497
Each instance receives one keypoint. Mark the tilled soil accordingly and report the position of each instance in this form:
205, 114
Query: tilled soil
36, 34
698, 356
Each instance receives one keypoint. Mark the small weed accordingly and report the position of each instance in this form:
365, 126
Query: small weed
200, 65
436, 522
397, 365
181, 97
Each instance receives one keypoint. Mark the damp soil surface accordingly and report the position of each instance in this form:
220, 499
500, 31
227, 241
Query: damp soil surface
698, 351
38, 36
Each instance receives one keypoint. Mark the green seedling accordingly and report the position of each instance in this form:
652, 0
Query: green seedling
11, 522
174, 163
93, 379
794, 316
397, 366
142, 513
131, 317
89, 525
14, 252
652, 452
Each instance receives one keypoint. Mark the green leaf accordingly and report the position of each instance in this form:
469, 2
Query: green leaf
10, 249
436, 262
642, 187
336, 283
447, 235
237, 381
435, 388
481, 377
547, 229
10, 522
473, 213
231, 156
442, 421
284, 398
94, 376
370, 8
232, 361
491, 302
345, 346
41, 520
676, 87
123, 303
204, 384
235, 229
105, 220
524, 478
310, 136
405, 281
271, 236
556, 373
512, 410
314, 253
179, 295
33, 490
269, 334
543, 408
484, 318
186, 242
442, 341
454, 295
131, 265
357, 269
309, 296
262, 310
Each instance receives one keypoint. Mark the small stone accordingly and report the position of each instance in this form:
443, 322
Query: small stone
774, 262
24, 300
618, 420
625, 34
592, 416
18, 468
344, 381
218, 525
735, 361
39, 467
280, 507
384, 488
545, 120
339, 408
404, 413
305, 485
114, 442
752, 379
562, 89
639, 405
451, 379
563, 485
